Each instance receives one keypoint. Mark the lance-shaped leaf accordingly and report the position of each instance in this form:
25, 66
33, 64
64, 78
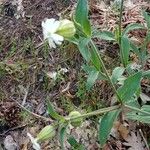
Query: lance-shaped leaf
75, 145
131, 27
95, 57
104, 35
130, 87
147, 18
125, 49
92, 77
53, 113
139, 116
81, 16
146, 74
62, 135
83, 48
105, 125
135, 49
117, 73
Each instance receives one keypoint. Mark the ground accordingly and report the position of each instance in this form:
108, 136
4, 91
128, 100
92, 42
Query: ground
27, 65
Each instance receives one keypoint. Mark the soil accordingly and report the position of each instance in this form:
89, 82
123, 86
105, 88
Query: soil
25, 65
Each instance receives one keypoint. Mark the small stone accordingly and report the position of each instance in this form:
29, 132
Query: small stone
9, 143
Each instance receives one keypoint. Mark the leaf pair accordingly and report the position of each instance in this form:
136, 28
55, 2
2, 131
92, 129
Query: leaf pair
125, 42
126, 93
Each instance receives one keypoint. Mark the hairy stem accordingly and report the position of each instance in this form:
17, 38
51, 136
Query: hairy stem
120, 32
97, 112
105, 71
137, 109
120, 21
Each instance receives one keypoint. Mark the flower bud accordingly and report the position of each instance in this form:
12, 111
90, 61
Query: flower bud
75, 122
46, 133
66, 28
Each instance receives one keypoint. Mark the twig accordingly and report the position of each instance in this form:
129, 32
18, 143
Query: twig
33, 5
67, 88
32, 113
141, 133
25, 96
12, 129
39, 45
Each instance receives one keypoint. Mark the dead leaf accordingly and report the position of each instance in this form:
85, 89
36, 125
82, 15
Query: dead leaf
122, 129
144, 98
135, 142
9, 143
2, 1
24, 146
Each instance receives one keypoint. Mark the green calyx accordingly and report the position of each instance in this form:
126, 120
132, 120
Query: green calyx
77, 121
46, 133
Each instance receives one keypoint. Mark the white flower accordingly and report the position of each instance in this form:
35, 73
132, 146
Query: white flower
50, 27
36, 145
52, 75
63, 70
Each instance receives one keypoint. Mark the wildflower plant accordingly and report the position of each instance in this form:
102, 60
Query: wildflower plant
124, 80
55, 31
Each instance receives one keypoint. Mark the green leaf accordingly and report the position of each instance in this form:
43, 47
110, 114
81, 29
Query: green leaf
144, 98
53, 113
133, 102
62, 136
135, 49
72, 141
75, 145
95, 58
72, 40
104, 35
88, 69
81, 16
117, 73
131, 27
146, 74
117, 34
83, 48
147, 38
147, 18
106, 123
139, 116
92, 77
125, 49
130, 87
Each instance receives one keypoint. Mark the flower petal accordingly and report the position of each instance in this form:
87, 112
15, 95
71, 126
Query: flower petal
51, 43
57, 38
36, 145
50, 25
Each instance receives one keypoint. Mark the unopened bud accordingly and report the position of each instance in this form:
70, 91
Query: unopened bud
46, 133
75, 122
66, 28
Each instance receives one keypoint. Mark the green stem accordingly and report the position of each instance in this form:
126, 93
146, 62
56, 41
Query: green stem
105, 71
137, 109
120, 32
120, 21
94, 113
